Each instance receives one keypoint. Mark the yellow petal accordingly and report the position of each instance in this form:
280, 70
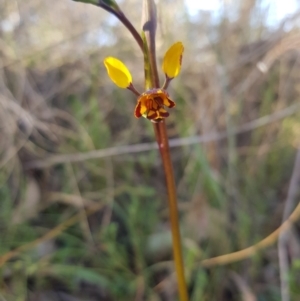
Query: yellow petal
143, 109
118, 72
172, 60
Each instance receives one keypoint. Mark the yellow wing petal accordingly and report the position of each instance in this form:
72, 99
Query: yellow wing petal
118, 72
172, 60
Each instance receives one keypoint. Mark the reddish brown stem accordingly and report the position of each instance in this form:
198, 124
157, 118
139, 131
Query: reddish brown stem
163, 144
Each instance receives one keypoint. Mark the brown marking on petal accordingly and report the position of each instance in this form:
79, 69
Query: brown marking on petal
163, 113
155, 104
149, 103
152, 114
180, 60
169, 103
137, 110
172, 103
159, 101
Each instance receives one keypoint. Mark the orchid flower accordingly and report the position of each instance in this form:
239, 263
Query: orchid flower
152, 103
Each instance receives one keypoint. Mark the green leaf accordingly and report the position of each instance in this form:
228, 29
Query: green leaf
147, 66
110, 3
95, 2
103, 3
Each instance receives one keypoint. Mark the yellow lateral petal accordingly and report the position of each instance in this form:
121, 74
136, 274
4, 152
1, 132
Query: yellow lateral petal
118, 72
172, 60
143, 109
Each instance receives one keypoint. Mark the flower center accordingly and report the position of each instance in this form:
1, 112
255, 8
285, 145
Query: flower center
154, 103
151, 104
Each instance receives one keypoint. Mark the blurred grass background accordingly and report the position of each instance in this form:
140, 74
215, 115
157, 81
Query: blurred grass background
237, 97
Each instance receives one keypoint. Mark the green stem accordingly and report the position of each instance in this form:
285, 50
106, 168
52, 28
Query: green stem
149, 28
163, 144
